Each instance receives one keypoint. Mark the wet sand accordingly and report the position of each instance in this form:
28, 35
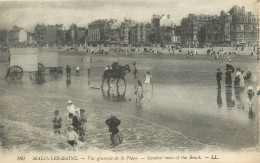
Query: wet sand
186, 111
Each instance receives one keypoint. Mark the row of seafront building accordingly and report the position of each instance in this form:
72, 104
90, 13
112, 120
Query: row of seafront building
134, 33
237, 27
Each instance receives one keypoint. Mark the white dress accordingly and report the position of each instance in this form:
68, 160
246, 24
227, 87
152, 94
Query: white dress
148, 79
71, 109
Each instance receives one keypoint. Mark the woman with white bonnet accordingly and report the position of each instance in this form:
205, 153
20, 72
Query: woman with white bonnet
71, 108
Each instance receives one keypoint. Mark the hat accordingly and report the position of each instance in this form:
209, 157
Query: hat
71, 127
218, 69
229, 60
56, 111
249, 69
113, 116
250, 88
69, 102
82, 110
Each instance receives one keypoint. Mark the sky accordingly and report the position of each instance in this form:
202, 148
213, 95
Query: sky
27, 13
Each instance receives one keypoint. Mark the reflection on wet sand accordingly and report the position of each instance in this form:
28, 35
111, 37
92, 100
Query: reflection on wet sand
251, 114
55, 77
111, 94
219, 99
68, 82
230, 101
239, 101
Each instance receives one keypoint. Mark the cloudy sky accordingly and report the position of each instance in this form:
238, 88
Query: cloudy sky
27, 14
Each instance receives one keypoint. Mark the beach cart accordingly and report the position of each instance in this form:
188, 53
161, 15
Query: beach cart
50, 61
23, 60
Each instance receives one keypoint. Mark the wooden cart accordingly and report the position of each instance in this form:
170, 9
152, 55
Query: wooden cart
23, 60
50, 61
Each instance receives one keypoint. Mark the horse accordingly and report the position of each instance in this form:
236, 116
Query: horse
115, 74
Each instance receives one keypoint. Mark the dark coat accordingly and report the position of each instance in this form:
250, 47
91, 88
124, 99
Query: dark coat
75, 123
228, 79
219, 76
68, 69
114, 65
250, 94
112, 123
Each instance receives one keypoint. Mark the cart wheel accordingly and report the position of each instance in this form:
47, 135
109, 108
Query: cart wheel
41, 67
16, 72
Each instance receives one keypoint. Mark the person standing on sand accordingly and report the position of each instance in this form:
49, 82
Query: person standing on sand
147, 80
237, 78
229, 70
139, 92
56, 122
242, 81
71, 108
134, 64
77, 71
250, 94
113, 124
82, 120
248, 75
88, 72
135, 72
72, 138
68, 71
219, 78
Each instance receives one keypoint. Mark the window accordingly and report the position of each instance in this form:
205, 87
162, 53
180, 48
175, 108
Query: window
241, 27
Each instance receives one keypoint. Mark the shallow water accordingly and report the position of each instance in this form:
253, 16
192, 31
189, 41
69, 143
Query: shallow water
182, 109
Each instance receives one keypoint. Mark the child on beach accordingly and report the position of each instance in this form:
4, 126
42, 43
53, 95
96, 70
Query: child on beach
56, 122
77, 70
82, 120
250, 94
139, 92
72, 138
